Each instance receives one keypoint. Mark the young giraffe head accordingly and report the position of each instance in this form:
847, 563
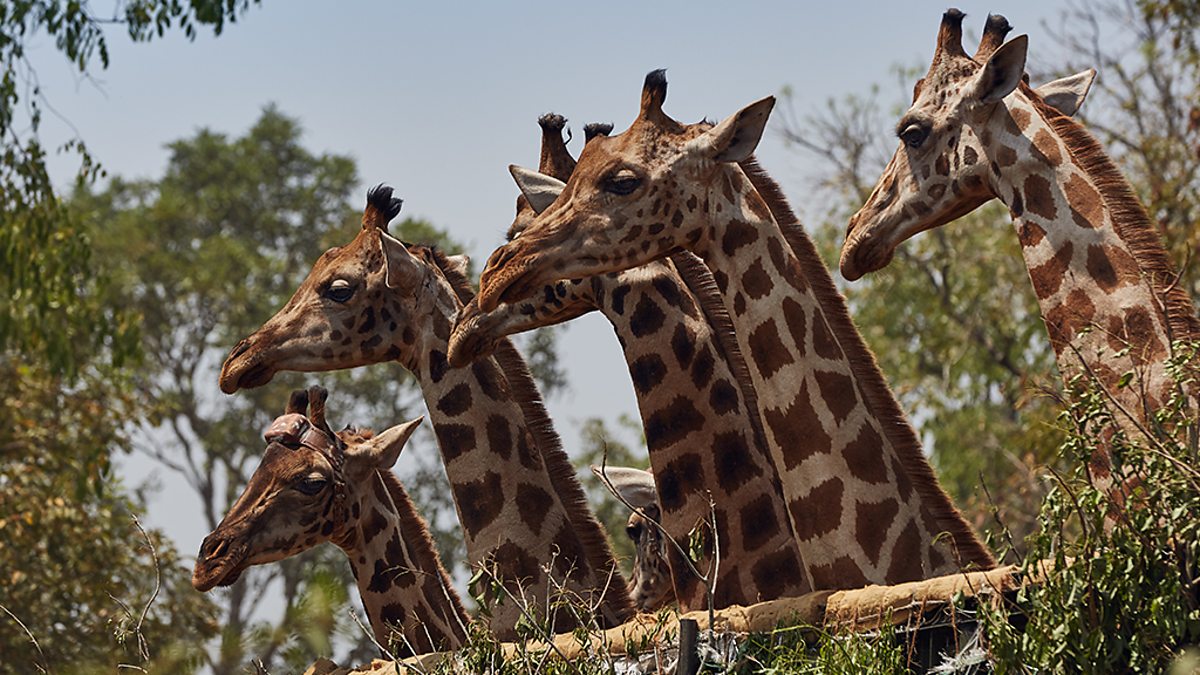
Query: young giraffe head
358, 306
633, 198
951, 148
650, 581
311, 486
475, 332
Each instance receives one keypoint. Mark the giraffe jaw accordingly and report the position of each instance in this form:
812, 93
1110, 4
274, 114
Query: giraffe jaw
470, 340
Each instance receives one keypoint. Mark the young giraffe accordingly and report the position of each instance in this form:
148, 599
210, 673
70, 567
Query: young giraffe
313, 486
521, 507
864, 502
721, 452
1103, 280
652, 578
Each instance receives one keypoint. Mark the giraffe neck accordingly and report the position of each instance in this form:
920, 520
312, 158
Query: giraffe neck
700, 439
509, 501
1098, 267
864, 509
405, 590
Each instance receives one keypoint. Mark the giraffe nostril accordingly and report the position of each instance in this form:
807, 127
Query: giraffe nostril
213, 549
239, 349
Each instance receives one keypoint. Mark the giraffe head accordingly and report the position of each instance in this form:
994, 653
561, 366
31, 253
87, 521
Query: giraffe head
633, 198
476, 332
362, 303
951, 141
650, 582
556, 161
309, 488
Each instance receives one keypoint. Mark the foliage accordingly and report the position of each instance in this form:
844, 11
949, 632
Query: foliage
48, 285
806, 649
201, 257
1117, 577
76, 570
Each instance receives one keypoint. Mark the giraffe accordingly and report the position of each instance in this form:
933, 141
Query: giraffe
521, 507
1102, 278
864, 503
724, 455
651, 579
313, 486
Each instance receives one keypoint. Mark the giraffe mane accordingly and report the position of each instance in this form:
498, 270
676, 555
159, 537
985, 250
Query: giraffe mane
549, 445
1129, 217
421, 540
879, 398
697, 278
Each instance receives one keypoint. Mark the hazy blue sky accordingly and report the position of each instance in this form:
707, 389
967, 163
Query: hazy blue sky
438, 98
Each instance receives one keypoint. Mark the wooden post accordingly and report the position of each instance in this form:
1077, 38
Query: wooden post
689, 657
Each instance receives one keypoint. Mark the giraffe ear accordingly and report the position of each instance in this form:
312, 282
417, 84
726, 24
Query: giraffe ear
735, 139
633, 485
541, 190
1003, 70
381, 452
401, 269
1066, 94
459, 263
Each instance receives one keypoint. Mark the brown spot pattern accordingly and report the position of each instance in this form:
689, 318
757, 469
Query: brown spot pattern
1038, 198
767, 350
871, 525
820, 511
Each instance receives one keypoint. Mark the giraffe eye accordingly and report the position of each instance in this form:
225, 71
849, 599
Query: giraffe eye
634, 532
339, 291
311, 485
622, 182
914, 135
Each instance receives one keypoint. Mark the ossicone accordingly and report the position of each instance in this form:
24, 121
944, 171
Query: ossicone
949, 40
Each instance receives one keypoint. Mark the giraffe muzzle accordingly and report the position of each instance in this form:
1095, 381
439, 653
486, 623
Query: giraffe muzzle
219, 562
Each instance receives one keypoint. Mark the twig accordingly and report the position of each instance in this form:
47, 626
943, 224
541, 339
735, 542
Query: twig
45, 662
144, 648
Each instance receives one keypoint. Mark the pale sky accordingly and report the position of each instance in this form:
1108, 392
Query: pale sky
438, 98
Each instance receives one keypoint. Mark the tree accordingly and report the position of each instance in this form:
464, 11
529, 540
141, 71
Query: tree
48, 304
77, 570
202, 257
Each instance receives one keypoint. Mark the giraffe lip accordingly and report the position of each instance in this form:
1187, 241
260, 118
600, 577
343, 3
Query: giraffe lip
865, 255
256, 376
235, 375
223, 572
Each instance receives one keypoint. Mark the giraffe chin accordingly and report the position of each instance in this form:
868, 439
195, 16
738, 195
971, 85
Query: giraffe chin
864, 256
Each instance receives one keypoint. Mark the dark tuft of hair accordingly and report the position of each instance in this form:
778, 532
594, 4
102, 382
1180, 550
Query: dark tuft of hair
594, 129
656, 79
380, 197
996, 23
552, 122
994, 32
954, 16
